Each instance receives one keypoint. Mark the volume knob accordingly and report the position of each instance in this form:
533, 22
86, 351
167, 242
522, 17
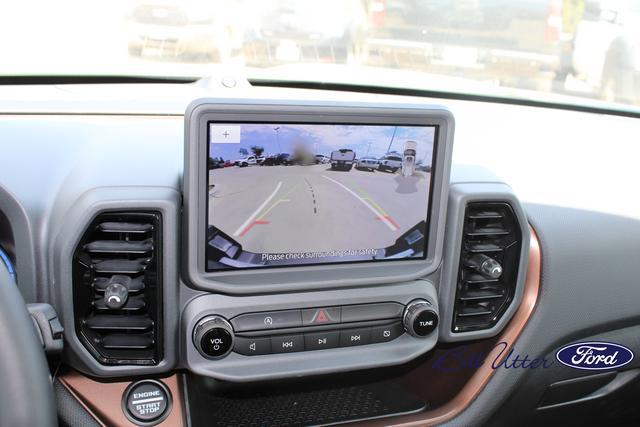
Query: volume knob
420, 318
213, 337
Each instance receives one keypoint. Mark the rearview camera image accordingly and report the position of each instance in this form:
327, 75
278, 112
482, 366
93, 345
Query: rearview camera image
303, 194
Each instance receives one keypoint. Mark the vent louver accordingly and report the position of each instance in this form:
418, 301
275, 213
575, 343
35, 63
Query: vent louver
120, 251
491, 234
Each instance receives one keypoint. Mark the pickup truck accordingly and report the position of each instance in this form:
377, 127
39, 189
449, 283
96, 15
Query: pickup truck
249, 161
343, 159
513, 42
390, 162
606, 50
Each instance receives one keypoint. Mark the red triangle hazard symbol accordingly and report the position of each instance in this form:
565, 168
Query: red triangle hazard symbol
321, 317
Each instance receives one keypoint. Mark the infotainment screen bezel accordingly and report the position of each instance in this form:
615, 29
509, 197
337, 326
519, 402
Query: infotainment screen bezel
318, 276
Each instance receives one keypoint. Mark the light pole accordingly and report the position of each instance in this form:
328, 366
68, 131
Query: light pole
277, 129
392, 136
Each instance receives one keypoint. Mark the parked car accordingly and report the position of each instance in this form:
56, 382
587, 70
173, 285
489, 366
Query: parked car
343, 159
270, 160
249, 161
391, 162
367, 163
214, 163
298, 30
606, 52
424, 168
191, 30
514, 42
285, 159
278, 159
322, 159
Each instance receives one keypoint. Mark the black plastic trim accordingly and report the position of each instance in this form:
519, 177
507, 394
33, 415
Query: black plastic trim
143, 320
90, 79
480, 302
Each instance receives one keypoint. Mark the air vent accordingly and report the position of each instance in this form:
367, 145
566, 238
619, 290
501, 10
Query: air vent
117, 288
488, 270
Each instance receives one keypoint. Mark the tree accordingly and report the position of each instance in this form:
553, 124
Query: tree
257, 150
243, 151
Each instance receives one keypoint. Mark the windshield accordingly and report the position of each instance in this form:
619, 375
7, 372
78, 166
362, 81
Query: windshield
569, 51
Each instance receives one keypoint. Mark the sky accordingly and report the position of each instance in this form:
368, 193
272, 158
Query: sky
365, 140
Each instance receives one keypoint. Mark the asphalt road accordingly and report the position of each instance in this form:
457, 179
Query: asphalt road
284, 209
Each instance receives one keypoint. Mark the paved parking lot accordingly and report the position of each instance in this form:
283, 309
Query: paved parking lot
282, 209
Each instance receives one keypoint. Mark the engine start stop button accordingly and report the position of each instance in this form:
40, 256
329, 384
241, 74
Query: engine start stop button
146, 402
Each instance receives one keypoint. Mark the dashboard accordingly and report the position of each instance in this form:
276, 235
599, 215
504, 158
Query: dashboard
201, 242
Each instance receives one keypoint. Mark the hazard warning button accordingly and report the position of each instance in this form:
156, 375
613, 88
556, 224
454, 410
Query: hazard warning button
321, 316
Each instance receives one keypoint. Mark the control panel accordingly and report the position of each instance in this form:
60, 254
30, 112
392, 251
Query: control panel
268, 336
317, 328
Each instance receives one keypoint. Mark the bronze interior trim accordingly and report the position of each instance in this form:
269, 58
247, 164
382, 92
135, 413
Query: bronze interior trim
483, 374
103, 399
80, 401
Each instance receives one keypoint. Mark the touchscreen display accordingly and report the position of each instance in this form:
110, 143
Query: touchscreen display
283, 194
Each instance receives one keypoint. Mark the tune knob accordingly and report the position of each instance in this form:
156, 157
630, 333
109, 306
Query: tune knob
420, 318
213, 337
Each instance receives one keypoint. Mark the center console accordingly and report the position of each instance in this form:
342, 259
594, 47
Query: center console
316, 241
307, 240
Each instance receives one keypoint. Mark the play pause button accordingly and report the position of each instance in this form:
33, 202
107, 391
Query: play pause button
351, 337
321, 340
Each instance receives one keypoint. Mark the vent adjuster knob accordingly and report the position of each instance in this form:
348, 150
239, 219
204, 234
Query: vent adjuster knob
485, 265
115, 295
